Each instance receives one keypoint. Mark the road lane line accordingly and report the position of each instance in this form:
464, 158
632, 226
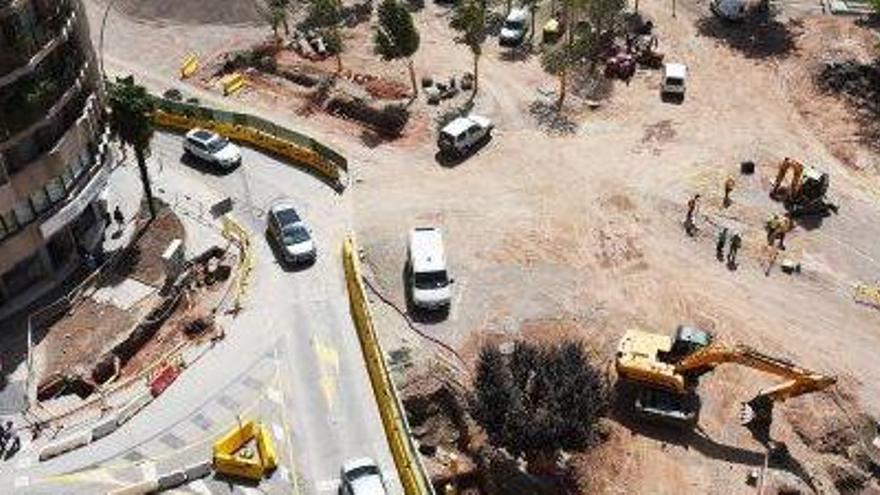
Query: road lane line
274, 395
278, 432
22, 481
199, 487
328, 360
148, 470
327, 485
285, 422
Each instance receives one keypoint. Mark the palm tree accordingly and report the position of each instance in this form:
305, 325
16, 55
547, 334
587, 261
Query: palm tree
397, 37
131, 108
469, 20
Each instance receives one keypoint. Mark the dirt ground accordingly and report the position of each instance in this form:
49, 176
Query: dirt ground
580, 234
587, 229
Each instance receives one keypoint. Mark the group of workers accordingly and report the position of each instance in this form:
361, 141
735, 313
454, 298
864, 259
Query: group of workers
777, 227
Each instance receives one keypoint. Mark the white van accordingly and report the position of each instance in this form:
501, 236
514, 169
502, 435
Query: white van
429, 281
732, 10
674, 77
516, 27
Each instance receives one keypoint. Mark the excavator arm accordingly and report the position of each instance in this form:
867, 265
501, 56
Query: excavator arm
757, 413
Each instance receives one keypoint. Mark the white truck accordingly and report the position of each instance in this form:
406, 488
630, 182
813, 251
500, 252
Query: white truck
731, 10
515, 28
459, 136
428, 277
674, 78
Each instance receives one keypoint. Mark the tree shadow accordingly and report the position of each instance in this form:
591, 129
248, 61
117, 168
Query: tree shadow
521, 53
760, 35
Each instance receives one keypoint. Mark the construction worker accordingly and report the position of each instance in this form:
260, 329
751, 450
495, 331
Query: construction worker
719, 246
735, 243
689, 225
729, 183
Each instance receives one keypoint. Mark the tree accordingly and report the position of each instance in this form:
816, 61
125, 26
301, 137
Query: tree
469, 19
396, 36
130, 113
276, 13
539, 400
578, 43
326, 17
604, 17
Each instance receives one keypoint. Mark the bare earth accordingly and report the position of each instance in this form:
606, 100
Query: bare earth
581, 235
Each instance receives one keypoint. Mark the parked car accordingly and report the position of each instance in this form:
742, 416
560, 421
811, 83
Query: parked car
362, 477
212, 147
515, 28
731, 10
290, 233
674, 78
459, 136
428, 277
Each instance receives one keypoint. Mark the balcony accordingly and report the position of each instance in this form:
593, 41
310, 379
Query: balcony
22, 49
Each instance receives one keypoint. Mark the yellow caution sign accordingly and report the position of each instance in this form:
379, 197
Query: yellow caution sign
247, 452
189, 67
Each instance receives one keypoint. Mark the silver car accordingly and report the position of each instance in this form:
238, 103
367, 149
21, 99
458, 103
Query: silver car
362, 477
293, 238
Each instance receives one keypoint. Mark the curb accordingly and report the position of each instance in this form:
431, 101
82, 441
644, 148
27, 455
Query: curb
65, 445
142, 488
167, 481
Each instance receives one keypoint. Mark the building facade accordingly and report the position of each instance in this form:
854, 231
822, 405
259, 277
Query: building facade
54, 154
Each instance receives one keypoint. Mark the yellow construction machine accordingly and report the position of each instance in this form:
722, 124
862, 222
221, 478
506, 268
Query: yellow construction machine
665, 371
806, 190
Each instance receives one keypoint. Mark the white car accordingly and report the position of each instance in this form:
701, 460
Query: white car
674, 78
291, 234
362, 477
429, 280
515, 28
460, 135
212, 147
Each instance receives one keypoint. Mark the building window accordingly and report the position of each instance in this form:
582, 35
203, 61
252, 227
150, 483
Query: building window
40, 200
9, 222
3, 232
67, 178
60, 249
23, 212
55, 188
77, 165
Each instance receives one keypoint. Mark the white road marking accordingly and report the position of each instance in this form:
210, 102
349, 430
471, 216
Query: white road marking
327, 485
24, 463
284, 473
275, 395
22, 481
148, 469
200, 487
278, 432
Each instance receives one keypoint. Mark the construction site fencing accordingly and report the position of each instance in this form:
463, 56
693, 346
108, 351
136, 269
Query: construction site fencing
237, 234
410, 469
255, 131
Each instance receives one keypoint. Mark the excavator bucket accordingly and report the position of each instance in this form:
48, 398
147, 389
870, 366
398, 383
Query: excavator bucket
757, 416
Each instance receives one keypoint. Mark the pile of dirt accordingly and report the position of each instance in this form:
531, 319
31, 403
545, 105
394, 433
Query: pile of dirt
859, 83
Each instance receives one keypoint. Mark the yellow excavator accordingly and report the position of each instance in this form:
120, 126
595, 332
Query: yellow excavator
665, 371
805, 192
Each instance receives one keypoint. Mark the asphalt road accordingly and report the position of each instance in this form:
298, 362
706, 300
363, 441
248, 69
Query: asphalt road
291, 357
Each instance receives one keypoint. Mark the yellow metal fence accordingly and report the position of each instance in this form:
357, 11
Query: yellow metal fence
410, 469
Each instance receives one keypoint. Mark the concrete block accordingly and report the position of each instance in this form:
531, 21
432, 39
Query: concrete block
65, 445
105, 427
171, 480
141, 488
198, 471
129, 410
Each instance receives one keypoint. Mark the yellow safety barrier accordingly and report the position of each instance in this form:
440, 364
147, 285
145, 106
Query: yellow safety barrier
233, 457
254, 137
234, 232
232, 83
867, 294
409, 467
189, 67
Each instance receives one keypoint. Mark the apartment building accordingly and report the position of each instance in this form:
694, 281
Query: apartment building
54, 154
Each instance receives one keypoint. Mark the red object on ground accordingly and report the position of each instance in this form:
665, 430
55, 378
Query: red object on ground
163, 379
